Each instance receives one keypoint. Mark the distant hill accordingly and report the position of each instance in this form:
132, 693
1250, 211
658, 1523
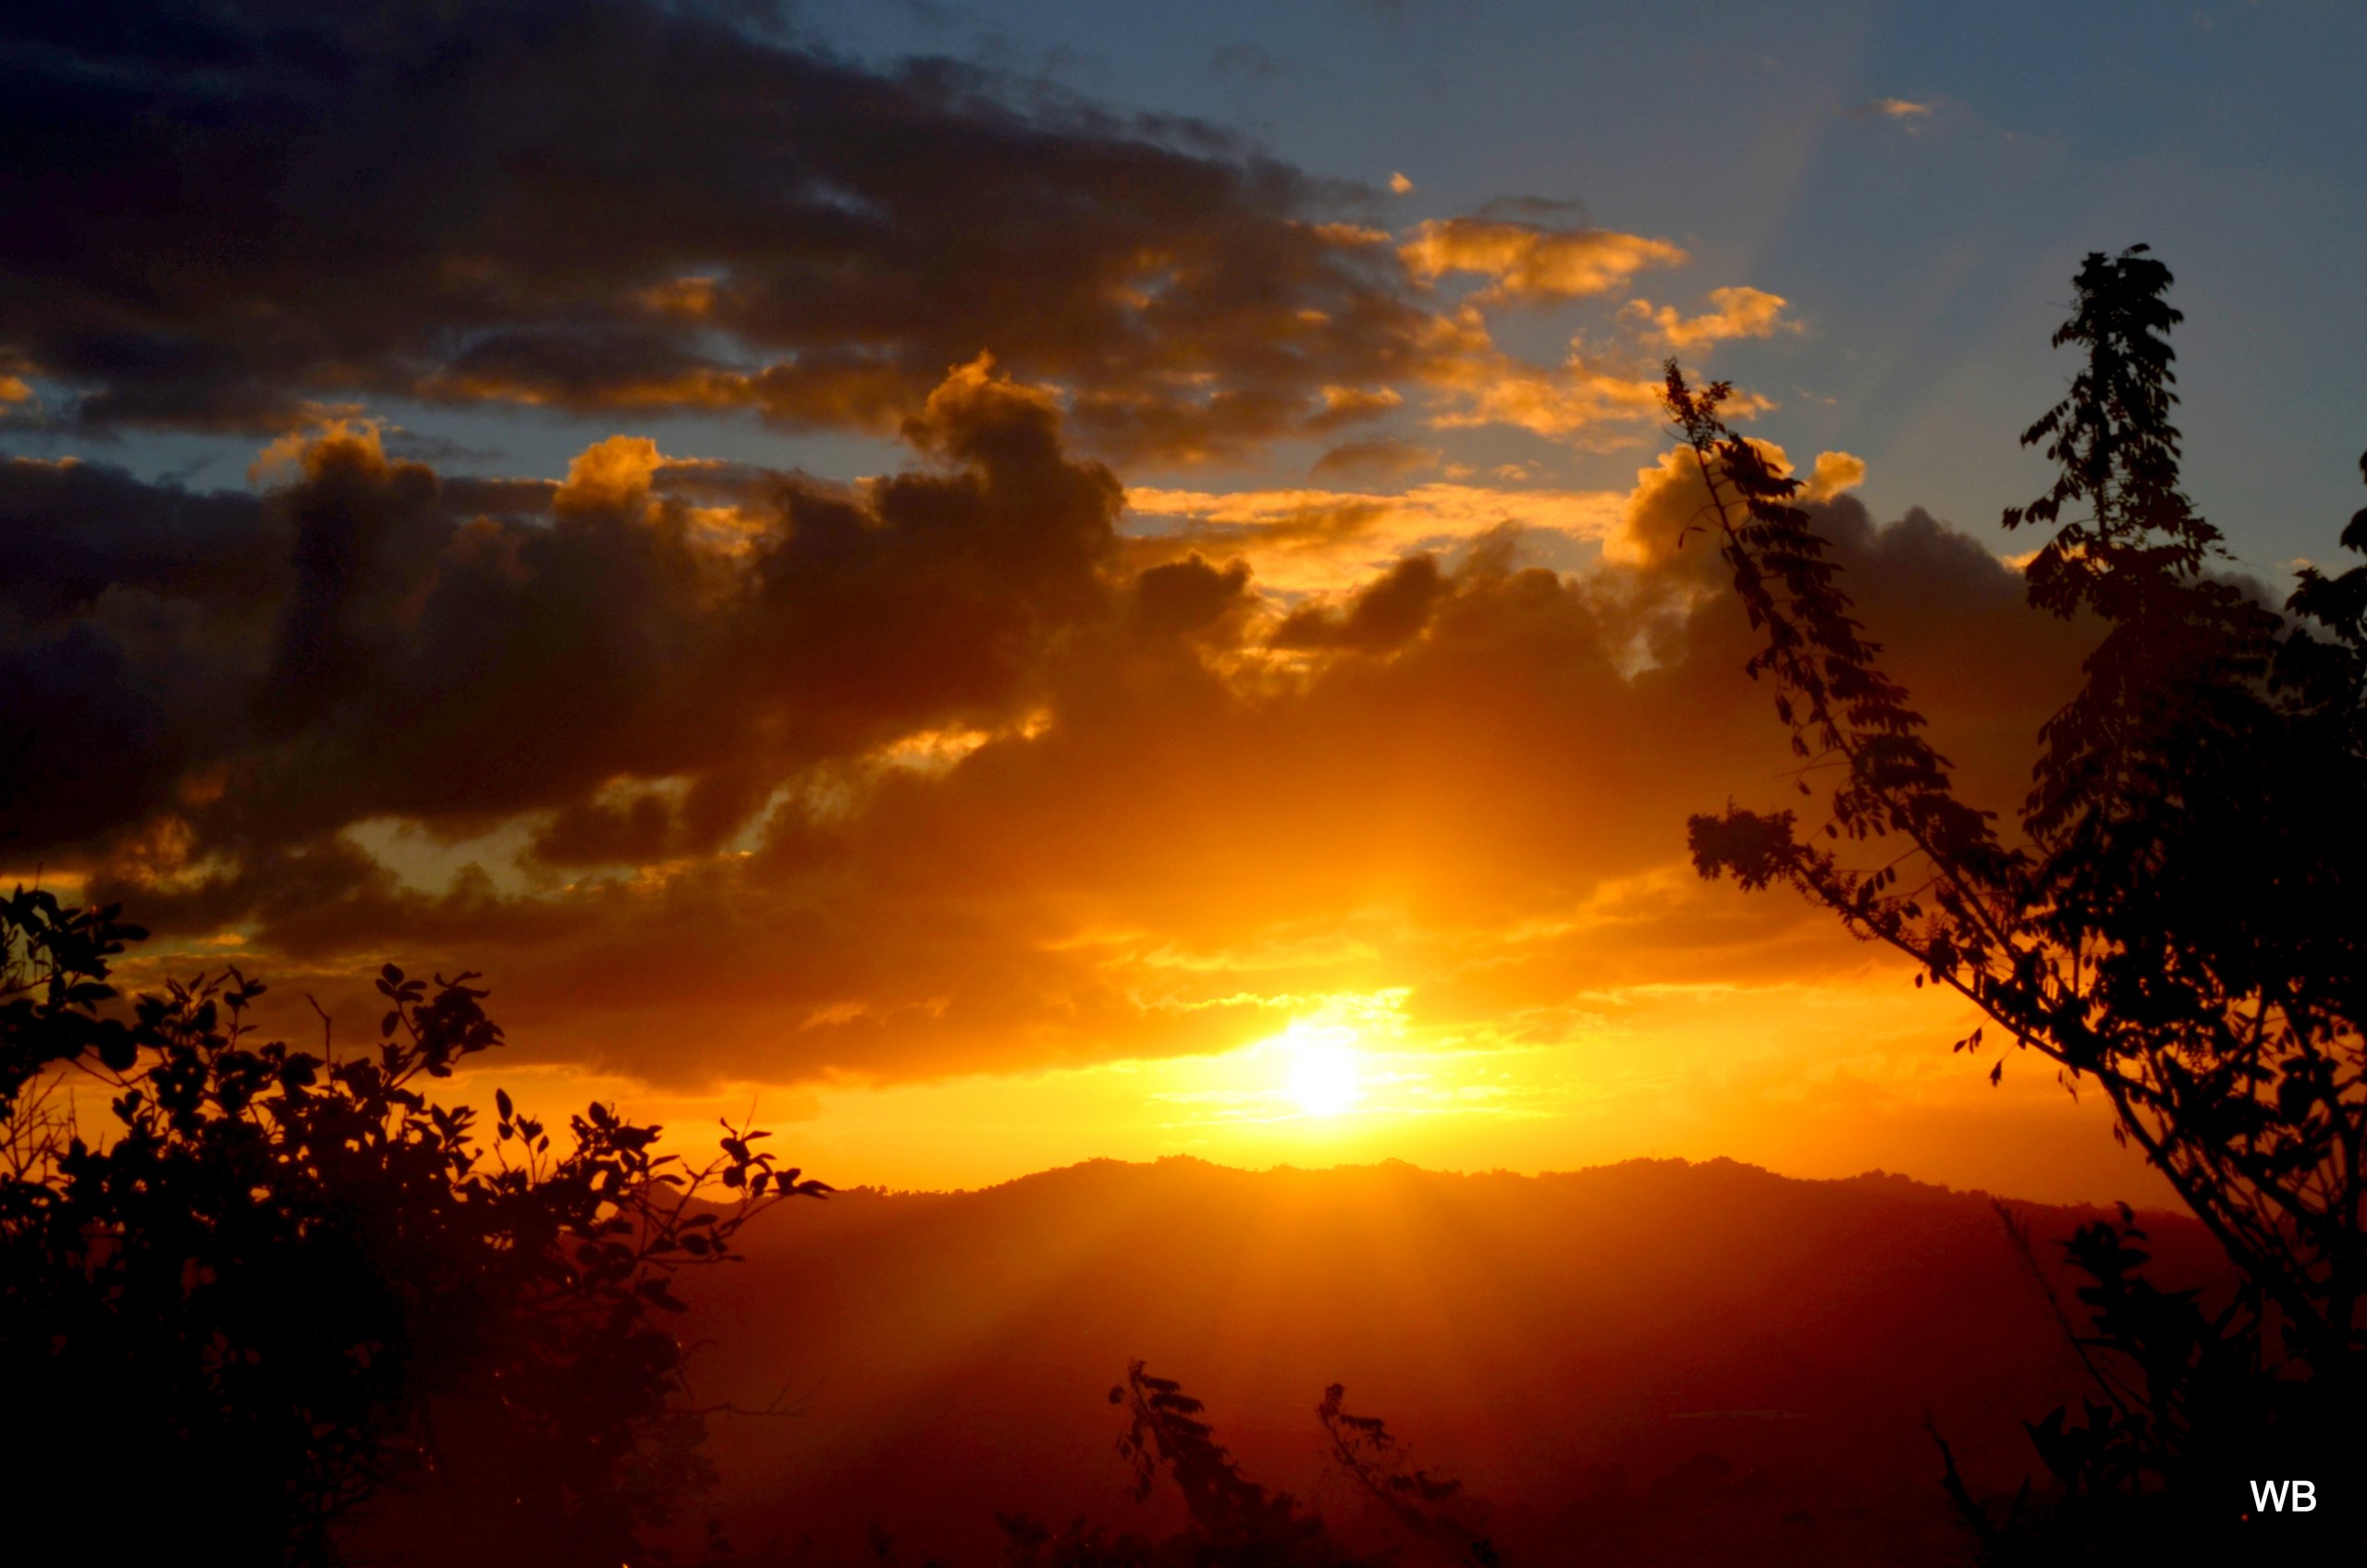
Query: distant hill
1668, 1362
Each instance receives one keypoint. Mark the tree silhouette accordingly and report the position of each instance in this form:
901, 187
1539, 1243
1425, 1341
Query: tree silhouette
2179, 922
1233, 1521
1229, 1511
1368, 1453
287, 1310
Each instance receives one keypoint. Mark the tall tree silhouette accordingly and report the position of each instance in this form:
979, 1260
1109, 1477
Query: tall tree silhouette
2179, 922
288, 1309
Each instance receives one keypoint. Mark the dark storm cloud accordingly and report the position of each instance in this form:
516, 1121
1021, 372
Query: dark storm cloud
75, 531
129, 614
368, 639
1190, 597
216, 212
1385, 614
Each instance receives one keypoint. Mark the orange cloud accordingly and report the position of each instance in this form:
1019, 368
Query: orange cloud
616, 471
1347, 405
1668, 519
1297, 541
1588, 399
1532, 264
1834, 472
1740, 312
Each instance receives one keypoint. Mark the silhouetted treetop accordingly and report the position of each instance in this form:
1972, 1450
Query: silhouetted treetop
290, 1306
2181, 921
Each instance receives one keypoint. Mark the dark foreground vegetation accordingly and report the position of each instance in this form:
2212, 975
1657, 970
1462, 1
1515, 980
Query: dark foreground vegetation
281, 1305
1681, 1364
287, 1308
2181, 924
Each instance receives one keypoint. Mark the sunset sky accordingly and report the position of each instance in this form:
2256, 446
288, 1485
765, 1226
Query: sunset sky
1013, 583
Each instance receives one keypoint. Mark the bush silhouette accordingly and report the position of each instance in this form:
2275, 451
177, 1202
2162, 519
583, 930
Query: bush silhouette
288, 1309
2179, 923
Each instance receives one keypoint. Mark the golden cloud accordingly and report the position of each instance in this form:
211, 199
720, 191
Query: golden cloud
1739, 313
1590, 399
1533, 265
1668, 518
1319, 540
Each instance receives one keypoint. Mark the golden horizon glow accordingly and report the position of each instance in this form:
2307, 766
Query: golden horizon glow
1717, 1074
968, 950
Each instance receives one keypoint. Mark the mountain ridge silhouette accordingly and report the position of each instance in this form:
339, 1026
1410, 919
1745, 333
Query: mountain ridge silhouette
1648, 1352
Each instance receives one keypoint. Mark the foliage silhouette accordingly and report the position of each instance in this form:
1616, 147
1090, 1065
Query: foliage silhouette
2179, 923
288, 1307
1369, 1455
1236, 1523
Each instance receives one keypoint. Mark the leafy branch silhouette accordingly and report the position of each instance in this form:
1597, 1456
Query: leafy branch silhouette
2178, 923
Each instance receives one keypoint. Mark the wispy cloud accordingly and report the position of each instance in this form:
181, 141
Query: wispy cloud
1894, 109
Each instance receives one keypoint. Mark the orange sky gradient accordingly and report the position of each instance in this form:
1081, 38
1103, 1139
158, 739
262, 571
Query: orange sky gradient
1298, 827
999, 628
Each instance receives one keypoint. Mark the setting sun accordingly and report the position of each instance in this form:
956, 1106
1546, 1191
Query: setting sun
1323, 1077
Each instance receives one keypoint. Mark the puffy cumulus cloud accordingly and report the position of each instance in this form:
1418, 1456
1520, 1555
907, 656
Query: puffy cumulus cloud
1192, 598
1668, 524
1669, 511
1529, 263
223, 210
1834, 472
1386, 613
1739, 313
366, 639
616, 472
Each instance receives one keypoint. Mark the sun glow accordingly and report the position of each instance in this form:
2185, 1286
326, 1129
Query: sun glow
1323, 1078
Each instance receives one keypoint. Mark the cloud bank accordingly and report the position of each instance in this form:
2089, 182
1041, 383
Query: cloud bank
231, 217
734, 773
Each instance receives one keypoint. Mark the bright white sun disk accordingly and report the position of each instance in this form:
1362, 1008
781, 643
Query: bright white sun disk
1323, 1075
